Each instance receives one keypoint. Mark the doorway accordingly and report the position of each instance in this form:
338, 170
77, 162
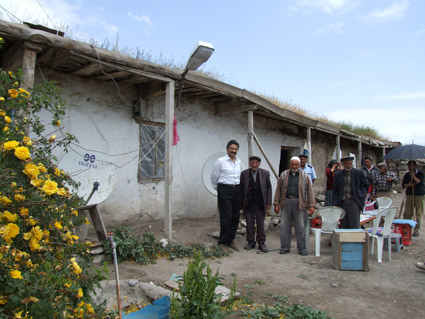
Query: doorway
285, 156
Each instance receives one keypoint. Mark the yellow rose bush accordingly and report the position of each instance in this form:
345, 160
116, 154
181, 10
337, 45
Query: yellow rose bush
45, 270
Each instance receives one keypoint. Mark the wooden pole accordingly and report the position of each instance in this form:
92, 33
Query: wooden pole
250, 132
29, 58
265, 156
338, 148
383, 154
169, 121
359, 162
310, 155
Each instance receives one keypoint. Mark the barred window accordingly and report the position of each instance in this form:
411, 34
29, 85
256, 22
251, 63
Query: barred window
152, 152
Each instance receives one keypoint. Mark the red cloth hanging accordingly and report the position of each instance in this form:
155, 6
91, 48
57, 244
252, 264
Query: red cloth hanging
176, 136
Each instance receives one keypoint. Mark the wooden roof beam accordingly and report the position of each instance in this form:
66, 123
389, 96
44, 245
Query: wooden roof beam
227, 108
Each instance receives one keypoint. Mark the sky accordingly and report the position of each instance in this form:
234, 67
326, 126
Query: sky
358, 61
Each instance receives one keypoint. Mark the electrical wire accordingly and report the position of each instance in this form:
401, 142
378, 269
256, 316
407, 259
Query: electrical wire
11, 14
113, 79
45, 12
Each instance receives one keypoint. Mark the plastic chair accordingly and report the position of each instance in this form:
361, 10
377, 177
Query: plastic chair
330, 217
384, 202
382, 233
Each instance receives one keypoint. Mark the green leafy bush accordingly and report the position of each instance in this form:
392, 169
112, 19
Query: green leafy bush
197, 292
44, 267
147, 249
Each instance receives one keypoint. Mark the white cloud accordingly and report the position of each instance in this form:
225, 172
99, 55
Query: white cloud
336, 28
394, 11
142, 18
419, 32
403, 96
339, 84
145, 19
402, 126
111, 29
328, 6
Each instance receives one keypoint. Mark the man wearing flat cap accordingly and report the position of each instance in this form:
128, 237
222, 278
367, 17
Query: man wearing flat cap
349, 192
256, 199
383, 182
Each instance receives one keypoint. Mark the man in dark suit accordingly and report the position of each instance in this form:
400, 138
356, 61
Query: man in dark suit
256, 195
349, 192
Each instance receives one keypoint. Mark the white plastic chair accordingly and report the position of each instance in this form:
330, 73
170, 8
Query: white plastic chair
330, 216
384, 202
382, 233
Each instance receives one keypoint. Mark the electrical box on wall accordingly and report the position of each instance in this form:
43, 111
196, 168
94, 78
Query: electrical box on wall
139, 109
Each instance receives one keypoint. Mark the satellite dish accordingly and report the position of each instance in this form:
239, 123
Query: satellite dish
87, 168
207, 169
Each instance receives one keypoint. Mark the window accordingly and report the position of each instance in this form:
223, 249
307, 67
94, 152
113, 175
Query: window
152, 152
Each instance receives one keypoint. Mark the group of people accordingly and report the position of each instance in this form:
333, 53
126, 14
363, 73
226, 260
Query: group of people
347, 187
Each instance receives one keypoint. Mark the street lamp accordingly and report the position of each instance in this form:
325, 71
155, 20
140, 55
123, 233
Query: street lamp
199, 55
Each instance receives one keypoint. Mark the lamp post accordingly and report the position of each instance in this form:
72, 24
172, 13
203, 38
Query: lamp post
200, 54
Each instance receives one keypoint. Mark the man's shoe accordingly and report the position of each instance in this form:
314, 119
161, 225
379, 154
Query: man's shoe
250, 245
303, 253
263, 248
415, 234
234, 247
421, 266
283, 251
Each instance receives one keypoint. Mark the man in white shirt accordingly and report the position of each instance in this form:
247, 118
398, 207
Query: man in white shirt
225, 178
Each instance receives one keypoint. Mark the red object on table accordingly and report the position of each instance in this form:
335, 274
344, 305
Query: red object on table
405, 231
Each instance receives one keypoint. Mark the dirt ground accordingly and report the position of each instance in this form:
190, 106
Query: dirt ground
393, 289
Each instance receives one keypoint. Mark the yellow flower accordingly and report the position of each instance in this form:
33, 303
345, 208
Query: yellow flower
74, 212
80, 293
15, 274
22, 152
13, 184
57, 123
57, 171
11, 74
34, 244
42, 168
32, 222
24, 211
23, 92
3, 300
27, 141
62, 192
11, 145
52, 138
7, 119
76, 268
36, 182
8, 216
67, 285
13, 93
9, 231
90, 309
1, 98
19, 197
86, 221
31, 170
58, 225
5, 200
50, 187
34, 236
5, 129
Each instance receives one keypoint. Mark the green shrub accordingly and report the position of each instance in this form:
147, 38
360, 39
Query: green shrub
44, 267
197, 292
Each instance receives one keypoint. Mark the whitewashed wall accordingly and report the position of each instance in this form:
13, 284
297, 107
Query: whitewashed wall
103, 123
